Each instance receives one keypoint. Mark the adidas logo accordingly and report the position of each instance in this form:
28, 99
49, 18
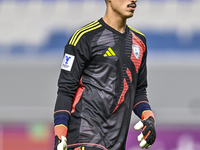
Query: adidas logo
109, 52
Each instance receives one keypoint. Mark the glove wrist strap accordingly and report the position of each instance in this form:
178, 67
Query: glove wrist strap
60, 130
146, 114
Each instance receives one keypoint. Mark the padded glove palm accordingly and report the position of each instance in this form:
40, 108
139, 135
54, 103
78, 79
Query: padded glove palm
60, 144
148, 135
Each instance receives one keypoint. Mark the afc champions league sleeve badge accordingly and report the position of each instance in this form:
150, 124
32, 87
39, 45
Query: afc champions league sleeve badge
67, 62
136, 51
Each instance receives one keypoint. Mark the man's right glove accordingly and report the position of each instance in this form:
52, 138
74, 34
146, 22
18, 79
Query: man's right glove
60, 144
148, 135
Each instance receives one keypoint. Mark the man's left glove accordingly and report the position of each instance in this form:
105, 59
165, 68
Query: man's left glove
60, 144
148, 135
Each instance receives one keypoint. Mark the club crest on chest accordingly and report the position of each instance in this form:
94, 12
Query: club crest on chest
136, 51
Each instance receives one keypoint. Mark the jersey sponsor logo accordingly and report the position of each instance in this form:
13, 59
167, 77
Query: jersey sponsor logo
136, 51
109, 52
67, 62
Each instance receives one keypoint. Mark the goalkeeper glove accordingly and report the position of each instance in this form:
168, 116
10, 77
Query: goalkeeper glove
148, 135
60, 144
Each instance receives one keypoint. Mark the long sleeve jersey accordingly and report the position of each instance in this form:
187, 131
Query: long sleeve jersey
103, 79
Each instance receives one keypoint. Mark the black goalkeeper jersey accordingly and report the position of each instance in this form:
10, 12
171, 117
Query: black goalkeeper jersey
103, 77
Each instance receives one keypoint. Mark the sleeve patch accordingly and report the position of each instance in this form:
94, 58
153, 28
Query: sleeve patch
67, 62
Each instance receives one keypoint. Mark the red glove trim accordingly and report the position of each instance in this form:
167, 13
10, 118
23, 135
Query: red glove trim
146, 114
60, 130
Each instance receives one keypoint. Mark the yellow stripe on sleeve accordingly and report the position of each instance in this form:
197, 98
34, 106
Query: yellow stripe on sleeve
77, 32
85, 32
137, 31
77, 36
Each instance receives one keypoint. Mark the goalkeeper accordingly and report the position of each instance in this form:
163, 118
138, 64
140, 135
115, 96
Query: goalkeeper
103, 78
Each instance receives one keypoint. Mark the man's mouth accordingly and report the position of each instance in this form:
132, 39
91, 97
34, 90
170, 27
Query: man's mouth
132, 5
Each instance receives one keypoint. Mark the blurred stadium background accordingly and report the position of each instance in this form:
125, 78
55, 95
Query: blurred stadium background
33, 34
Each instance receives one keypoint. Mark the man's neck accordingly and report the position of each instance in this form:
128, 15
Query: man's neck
116, 22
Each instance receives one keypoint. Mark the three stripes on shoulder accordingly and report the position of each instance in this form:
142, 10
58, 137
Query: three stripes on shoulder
92, 26
78, 34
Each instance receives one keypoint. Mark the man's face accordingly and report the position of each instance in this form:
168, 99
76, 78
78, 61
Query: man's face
125, 8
